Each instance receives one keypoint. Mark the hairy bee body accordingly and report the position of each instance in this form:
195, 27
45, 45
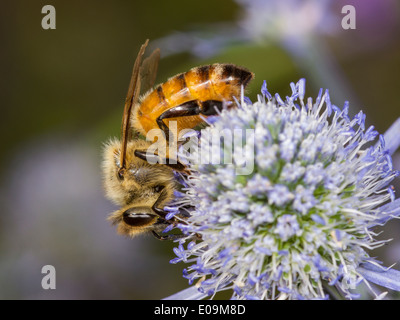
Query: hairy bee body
142, 189
216, 82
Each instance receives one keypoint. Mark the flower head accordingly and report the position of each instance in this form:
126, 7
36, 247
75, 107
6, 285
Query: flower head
301, 220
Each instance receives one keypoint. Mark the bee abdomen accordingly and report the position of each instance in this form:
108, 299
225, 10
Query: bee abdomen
217, 81
210, 82
231, 74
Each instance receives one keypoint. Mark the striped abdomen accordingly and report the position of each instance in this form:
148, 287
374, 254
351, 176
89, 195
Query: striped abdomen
220, 82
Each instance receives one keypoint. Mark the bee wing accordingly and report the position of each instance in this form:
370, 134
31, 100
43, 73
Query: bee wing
131, 99
148, 70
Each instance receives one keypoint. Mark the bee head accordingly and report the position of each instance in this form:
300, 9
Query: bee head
137, 188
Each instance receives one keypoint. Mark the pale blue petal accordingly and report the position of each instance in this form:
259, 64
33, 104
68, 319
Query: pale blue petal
392, 209
388, 278
392, 137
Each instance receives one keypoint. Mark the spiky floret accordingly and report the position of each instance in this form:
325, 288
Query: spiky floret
301, 220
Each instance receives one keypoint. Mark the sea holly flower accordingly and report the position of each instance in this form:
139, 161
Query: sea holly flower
300, 225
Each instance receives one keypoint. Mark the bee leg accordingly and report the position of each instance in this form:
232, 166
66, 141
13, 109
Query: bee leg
142, 154
191, 108
168, 236
213, 107
160, 212
155, 234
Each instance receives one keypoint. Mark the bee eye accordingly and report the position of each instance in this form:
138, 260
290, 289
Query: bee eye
137, 219
158, 189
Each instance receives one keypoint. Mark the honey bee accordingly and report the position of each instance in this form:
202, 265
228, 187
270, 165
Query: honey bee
143, 189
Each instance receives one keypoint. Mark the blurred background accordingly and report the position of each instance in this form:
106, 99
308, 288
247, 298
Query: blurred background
62, 95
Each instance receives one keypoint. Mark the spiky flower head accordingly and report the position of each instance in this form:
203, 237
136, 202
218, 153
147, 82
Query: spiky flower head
290, 213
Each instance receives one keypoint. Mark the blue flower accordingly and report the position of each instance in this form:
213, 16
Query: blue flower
301, 220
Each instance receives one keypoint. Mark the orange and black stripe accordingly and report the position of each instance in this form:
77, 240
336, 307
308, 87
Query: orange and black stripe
217, 82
